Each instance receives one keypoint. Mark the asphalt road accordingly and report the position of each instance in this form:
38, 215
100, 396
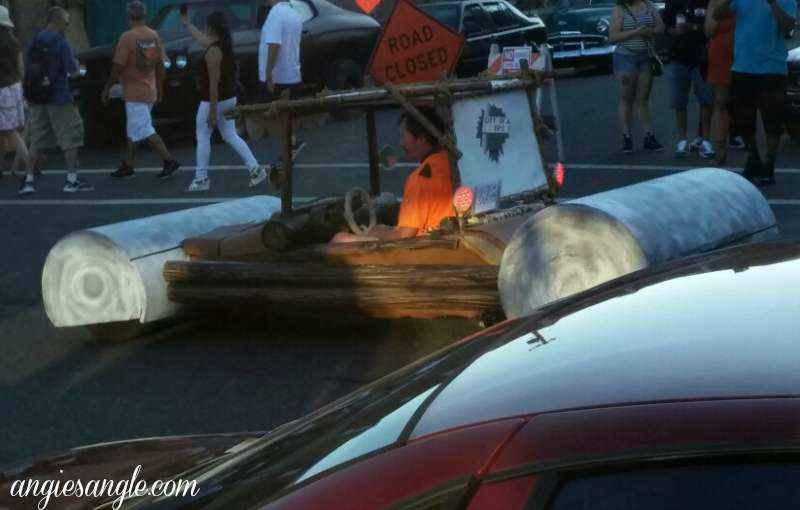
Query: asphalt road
62, 388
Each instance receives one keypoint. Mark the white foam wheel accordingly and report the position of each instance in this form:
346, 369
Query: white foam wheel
88, 276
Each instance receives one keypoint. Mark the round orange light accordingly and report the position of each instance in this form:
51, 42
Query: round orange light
463, 199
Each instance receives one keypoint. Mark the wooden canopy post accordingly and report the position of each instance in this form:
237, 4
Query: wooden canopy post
530, 90
287, 165
374, 157
408, 106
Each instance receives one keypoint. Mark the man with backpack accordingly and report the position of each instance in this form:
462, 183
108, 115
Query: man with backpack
138, 65
54, 120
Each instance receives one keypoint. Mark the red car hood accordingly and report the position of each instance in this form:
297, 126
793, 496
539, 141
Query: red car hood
159, 458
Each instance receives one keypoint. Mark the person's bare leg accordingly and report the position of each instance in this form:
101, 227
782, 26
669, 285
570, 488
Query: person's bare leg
643, 87
627, 95
158, 145
681, 123
4, 140
30, 164
130, 153
721, 123
20, 148
705, 120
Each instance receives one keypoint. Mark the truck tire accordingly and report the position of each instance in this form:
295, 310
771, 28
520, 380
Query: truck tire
344, 74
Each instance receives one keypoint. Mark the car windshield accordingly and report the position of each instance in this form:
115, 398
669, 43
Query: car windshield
375, 418
445, 13
239, 13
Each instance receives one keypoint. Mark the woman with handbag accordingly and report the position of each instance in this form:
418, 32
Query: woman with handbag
634, 24
217, 84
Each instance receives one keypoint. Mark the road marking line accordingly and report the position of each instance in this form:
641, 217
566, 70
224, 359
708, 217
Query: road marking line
208, 200
660, 168
134, 201
149, 170
575, 166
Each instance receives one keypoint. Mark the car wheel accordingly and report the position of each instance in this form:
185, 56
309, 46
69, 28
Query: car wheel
344, 74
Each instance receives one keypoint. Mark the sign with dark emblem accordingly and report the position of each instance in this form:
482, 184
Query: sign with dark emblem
494, 128
500, 151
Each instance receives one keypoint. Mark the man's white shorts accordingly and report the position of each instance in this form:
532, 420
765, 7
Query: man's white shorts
140, 122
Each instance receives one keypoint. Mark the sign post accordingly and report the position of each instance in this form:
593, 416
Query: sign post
414, 47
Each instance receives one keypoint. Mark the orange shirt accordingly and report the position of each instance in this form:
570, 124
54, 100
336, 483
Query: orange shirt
139, 51
428, 195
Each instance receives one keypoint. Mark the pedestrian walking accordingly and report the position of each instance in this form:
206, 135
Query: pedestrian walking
758, 81
685, 21
279, 55
138, 65
54, 120
720, 60
12, 105
634, 24
217, 82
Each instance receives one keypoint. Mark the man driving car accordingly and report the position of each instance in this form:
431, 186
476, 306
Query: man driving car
428, 190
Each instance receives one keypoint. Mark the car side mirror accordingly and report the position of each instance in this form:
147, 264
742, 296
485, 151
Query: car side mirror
387, 157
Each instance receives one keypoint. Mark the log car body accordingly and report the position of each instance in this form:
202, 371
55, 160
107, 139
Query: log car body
287, 263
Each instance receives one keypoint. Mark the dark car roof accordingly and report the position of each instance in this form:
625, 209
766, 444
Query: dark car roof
726, 326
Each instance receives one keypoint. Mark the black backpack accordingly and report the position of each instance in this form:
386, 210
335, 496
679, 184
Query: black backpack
38, 84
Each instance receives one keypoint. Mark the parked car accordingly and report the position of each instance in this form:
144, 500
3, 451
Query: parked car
334, 52
673, 387
578, 32
484, 23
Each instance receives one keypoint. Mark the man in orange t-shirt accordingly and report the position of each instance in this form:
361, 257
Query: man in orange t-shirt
428, 193
138, 65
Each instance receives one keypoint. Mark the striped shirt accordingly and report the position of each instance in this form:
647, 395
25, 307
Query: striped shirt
635, 44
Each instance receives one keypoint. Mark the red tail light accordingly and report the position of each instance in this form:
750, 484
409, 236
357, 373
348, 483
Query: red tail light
463, 199
559, 174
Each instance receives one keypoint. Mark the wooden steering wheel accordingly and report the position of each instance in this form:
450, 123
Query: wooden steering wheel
349, 217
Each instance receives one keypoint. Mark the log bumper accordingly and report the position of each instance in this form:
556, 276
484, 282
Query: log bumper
114, 273
577, 245
423, 291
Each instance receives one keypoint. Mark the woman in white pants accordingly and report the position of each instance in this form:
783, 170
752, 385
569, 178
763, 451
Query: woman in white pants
217, 82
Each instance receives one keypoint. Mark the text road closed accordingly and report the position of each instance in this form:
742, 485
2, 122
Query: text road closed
414, 48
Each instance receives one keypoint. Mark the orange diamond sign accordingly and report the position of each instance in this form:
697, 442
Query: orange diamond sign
414, 47
367, 5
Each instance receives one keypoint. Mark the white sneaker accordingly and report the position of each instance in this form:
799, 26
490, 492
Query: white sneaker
707, 150
77, 186
737, 143
257, 176
27, 188
682, 150
696, 144
199, 185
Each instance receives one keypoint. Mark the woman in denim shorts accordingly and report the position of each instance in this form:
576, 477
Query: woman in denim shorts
634, 24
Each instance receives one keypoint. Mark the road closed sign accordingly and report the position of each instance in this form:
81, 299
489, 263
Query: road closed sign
414, 47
